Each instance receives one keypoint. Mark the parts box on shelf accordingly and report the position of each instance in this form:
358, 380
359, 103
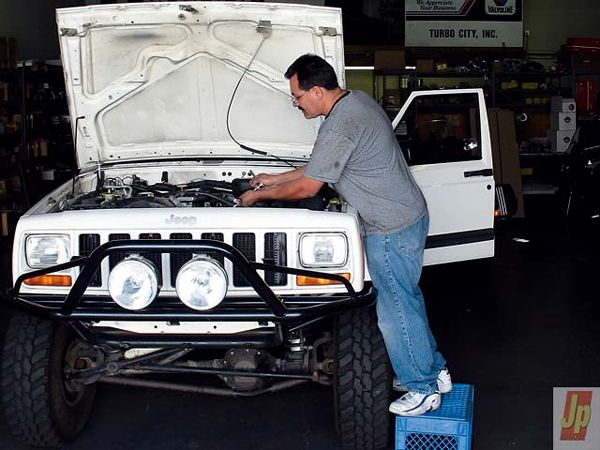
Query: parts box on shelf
585, 62
562, 104
390, 59
586, 96
425, 65
8, 52
563, 120
560, 140
393, 98
6, 222
449, 427
584, 44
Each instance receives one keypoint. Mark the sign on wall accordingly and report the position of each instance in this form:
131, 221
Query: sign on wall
464, 23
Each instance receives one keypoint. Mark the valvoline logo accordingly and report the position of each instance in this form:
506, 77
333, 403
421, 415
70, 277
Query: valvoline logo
500, 7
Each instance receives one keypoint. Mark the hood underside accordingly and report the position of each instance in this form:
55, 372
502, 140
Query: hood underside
156, 80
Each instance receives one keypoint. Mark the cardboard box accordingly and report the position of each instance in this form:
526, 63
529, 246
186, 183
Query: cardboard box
585, 62
425, 65
43, 146
536, 100
562, 104
563, 120
14, 183
536, 125
8, 53
584, 44
49, 175
586, 96
364, 55
5, 222
506, 85
3, 91
393, 98
358, 55
560, 140
390, 59
38, 148
530, 85
505, 153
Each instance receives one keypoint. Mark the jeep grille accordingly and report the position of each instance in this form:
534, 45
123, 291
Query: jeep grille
274, 252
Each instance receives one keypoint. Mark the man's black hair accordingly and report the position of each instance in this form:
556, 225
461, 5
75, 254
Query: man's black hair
312, 70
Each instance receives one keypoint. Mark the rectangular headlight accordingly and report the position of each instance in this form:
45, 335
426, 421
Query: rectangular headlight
323, 250
45, 250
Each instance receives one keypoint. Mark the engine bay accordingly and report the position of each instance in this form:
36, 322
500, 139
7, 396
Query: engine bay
132, 191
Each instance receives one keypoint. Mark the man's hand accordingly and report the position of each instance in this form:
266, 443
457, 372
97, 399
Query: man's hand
263, 180
248, 198
289, 186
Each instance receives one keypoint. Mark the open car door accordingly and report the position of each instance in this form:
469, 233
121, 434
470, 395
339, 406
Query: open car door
445, 139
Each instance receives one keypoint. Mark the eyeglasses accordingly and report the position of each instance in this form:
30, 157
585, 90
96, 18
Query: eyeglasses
296, 100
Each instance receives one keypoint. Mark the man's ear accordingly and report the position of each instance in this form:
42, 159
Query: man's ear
319, 91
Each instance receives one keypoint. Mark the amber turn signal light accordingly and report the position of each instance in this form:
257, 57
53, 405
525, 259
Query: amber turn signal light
302, 280
49, 280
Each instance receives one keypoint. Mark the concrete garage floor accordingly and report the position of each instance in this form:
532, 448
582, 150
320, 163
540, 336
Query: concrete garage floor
514, 326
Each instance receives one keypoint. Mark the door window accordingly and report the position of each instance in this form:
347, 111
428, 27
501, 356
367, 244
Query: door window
440, 129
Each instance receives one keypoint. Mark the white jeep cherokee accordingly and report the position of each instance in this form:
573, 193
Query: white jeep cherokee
142, 265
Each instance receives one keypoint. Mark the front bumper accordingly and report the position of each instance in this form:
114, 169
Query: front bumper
289, 310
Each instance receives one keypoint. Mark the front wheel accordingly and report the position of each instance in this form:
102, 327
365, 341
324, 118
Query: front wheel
362, 381
41, 407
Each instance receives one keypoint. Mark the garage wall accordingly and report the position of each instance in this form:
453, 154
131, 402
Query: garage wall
33, 24
550, 22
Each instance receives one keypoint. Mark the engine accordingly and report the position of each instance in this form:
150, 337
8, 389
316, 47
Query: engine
134, 192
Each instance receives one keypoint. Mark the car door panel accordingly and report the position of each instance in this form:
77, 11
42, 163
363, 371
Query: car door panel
445, 138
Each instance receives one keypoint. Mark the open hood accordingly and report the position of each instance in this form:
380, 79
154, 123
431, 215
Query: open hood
155, 80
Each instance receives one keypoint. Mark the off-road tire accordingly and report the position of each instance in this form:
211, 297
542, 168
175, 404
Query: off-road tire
362, 382
37, 407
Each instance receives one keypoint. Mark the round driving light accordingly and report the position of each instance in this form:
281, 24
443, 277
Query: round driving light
201, 284
133, 283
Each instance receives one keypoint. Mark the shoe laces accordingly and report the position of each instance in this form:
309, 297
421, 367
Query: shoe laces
409, 395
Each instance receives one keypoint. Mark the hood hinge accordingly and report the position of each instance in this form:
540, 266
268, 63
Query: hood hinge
264, 27
328, 31
188, 8
68, 32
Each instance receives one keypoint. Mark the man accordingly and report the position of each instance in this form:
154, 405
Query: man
356, 150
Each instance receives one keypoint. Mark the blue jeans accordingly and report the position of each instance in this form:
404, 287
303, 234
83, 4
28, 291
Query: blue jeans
395, 261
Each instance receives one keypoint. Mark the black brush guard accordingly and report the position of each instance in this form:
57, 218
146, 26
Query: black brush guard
291, 312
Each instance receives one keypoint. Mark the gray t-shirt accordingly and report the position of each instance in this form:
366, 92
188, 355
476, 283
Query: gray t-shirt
357, 152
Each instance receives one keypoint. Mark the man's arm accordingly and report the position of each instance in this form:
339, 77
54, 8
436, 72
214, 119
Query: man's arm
270, 180
296, 189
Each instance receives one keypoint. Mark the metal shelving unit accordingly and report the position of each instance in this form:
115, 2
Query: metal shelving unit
46, 137
554, 83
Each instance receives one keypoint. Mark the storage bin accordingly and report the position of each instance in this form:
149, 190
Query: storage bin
447, 428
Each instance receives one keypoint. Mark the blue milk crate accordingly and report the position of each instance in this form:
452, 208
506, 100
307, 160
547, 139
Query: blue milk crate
447, 428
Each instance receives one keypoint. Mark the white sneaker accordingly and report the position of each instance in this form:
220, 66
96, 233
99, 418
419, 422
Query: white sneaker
444, 382
415, 404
